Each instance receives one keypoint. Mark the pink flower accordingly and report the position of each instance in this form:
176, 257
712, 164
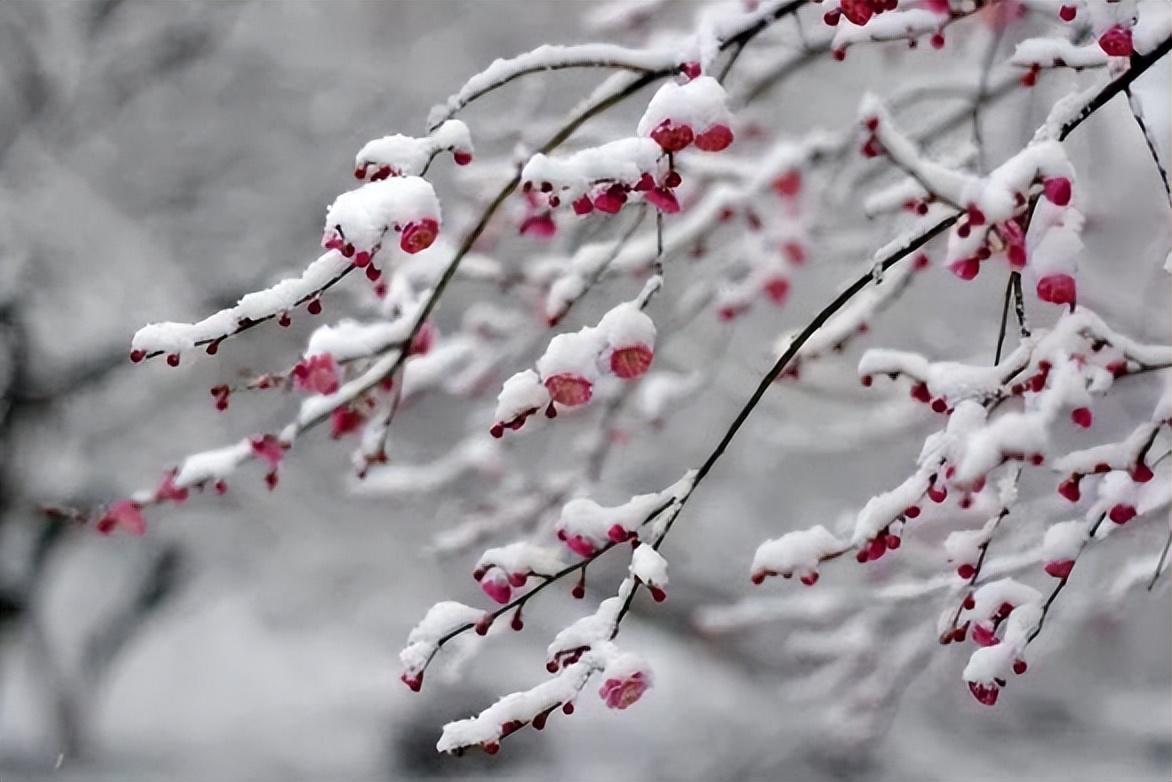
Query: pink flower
344, 420
985, 693
1116, 41
966, 268
671, 138
1057, 289
496, 585
858, 11
168, 491
580, 545
1057, 190
777, 289
316, 374
125, 514
1122, 513
541, 226
983, 635
631, 362
663, 199
268, 449
715, 139
418, 236
788, 184
569, 390
1082, 416
1059, 568
621, 693
610, 200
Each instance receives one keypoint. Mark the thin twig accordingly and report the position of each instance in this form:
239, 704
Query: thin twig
1137, 112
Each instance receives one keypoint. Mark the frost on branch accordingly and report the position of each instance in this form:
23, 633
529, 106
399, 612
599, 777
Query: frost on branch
441, 620
622, 345
650, 568
357, 221
797, 552
625, 678
1020, 212
604, 177
585, 526
399, 155
174, 339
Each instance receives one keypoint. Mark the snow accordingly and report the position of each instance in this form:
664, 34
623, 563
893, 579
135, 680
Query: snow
585, 517
523, 558
549, 57
1153, 26
664, 390
798, 552
521, 707
882, 509
212, 465
964, 546
1119, 455
409, 156
1011, 433
364, 216
590, 630
699, 104
1064, 540
520, 394
574, 353
649, 566
423, 640
626, 325
988, 598
348, 339
989, 663
178, 338
891, 26
1058, 52
623, 161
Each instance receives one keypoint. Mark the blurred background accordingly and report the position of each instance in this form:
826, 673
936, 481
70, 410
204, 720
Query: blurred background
159, 159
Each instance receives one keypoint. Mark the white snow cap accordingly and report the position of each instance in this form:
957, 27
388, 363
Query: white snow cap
649, 566
400, 155
521, 393
626, 325
699, 103
369, 212
799, 551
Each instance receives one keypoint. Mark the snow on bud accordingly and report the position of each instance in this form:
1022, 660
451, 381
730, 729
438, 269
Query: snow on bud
799, 551
521, 395
399, 155
596, 177
649, 567
679, 114
495, 584
630, 339
1061, 546
361, 217
423, 640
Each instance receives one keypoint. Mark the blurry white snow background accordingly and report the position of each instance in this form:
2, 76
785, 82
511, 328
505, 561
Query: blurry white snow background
158, 159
